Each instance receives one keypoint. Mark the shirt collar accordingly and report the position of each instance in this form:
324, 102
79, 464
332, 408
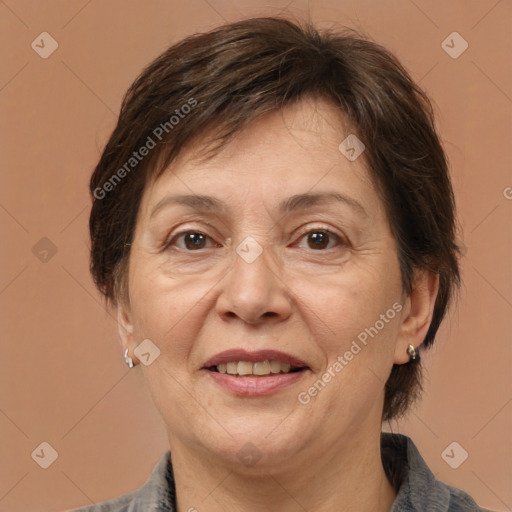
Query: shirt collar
159, 492
417, 488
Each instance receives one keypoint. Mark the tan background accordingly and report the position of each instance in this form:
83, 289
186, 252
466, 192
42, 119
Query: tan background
63, 380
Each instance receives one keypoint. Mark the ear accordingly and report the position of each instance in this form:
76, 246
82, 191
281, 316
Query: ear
417, 315
125, 327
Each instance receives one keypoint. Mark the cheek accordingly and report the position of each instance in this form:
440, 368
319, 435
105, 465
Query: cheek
355, 325
347, 305
168, 310
168, 313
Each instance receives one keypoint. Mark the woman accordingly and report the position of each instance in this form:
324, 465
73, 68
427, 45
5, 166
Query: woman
274, 222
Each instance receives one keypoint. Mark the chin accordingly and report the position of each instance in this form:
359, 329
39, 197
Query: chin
255, 446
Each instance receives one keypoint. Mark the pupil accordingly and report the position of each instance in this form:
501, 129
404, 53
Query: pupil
196, 239
320, 240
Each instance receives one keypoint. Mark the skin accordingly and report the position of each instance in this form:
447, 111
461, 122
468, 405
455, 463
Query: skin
308, 301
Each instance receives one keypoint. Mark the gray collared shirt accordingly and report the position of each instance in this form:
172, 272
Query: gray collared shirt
417, 488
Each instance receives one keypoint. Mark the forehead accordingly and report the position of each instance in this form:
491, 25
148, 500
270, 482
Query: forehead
283, 153
310, 127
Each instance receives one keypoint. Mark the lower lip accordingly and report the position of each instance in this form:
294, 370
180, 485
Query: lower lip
255, 386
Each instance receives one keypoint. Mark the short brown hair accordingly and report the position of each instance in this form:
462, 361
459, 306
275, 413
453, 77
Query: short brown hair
237, 72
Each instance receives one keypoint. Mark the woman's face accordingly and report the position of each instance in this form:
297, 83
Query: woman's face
317, 281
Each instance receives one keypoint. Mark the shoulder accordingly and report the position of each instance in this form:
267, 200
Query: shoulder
459, 501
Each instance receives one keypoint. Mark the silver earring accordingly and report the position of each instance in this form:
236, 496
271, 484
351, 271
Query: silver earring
414, 353
128, 360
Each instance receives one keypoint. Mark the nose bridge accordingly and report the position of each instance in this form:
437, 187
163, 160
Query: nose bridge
252, 273
253, 287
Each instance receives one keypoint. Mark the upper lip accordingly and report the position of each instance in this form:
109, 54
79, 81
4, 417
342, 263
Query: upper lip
258, 355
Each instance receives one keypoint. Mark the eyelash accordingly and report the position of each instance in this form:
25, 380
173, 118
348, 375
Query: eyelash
171, 241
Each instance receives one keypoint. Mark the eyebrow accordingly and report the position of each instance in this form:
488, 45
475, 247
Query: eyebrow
293, 203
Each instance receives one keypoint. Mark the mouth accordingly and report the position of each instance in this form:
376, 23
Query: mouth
263, 368
255, 373
261, 363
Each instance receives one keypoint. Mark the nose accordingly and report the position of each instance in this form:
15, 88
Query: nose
254, 291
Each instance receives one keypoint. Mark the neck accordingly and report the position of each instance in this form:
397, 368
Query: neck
349, 478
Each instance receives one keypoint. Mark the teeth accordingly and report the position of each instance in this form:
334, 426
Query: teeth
244, 368
275, 366
259, 368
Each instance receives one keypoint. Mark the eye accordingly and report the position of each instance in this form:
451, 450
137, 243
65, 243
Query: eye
193, 240
318, 239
